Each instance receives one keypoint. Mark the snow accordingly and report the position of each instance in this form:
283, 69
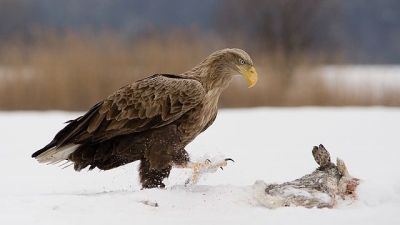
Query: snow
269, 144
377, 76
374, 81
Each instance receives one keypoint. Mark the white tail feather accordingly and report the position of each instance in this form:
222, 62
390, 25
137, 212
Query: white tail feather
55, 155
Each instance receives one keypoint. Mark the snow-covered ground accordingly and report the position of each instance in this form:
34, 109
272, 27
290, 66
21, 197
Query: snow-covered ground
370, 80
373, 76
270, 144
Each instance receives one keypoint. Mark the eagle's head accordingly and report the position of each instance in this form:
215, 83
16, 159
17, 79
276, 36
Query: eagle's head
233, 61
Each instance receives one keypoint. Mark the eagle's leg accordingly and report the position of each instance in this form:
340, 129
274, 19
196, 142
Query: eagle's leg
159, 153
207, 166
152, 178
181, 159
199, 168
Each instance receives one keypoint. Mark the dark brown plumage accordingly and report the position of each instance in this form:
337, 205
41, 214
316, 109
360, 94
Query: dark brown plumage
151, 120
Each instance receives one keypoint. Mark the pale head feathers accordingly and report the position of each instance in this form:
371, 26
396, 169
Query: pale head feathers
217, 69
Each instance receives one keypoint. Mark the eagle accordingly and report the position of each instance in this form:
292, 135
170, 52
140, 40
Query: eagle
151, 120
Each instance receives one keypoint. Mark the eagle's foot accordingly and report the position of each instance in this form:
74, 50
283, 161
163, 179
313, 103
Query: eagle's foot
207, 166
160, 185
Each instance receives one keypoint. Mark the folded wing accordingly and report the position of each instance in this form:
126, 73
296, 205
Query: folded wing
146, 104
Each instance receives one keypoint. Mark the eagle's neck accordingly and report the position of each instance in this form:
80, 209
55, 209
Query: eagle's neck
213, 76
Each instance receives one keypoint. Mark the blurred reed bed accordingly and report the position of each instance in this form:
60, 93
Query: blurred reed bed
74, 71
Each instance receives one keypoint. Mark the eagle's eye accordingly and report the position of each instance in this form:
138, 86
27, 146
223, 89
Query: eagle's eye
241, 61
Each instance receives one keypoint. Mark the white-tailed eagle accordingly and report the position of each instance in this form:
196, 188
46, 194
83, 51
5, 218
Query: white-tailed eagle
151, 120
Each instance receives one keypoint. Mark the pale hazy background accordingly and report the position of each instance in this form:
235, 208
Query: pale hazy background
57, 54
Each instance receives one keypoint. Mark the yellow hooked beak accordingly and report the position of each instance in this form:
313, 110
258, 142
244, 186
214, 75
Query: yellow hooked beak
250, 74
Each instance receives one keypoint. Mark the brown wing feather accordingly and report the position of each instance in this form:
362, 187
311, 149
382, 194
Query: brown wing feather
149, 103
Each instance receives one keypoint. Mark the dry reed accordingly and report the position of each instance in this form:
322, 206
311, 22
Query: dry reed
75, 71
